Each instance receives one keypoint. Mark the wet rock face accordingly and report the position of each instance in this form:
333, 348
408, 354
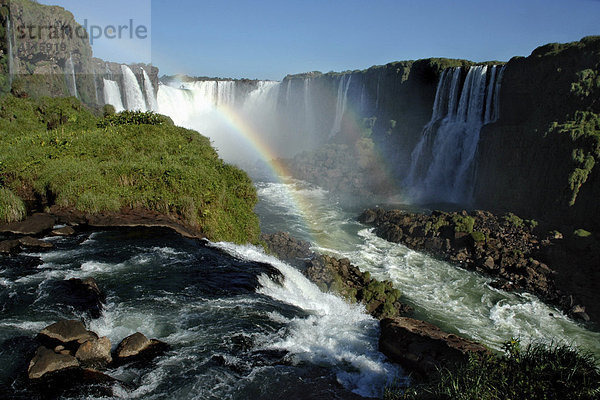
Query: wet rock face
505, 247
138, 347
95, 353
47, 361
423, 347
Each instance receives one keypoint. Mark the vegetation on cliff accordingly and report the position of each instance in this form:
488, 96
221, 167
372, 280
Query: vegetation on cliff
535, 372
57, 152
539, 159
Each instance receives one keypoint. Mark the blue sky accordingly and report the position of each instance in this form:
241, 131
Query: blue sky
269, 39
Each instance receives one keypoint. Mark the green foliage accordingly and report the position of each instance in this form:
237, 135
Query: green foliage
155, 166
534, 372
108, 110
582, 233
513, 220
532, 223
12, 208
478, 236
584, 133
134, 118
366, 125
463, 223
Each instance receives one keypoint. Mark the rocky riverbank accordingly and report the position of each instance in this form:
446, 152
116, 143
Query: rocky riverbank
517, 253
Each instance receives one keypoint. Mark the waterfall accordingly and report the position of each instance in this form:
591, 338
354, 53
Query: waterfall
149, 90
287, 93
443, 162
309, 116
94, 77
377, 99
133, 93
342, 98
11, 56
225, 93
112, 95
70, 76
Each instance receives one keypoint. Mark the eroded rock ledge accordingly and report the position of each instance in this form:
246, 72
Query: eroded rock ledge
507, 248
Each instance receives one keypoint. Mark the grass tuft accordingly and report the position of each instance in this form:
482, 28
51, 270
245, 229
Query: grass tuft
535, 372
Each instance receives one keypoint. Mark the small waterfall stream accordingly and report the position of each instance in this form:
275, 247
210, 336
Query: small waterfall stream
443, 162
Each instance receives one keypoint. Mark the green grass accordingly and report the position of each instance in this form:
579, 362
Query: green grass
125, 161
536, 372
12, 208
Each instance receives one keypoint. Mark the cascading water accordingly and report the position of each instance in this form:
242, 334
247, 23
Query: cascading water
309, 116
95, 79
149, 91
70, 76
442, 164
342, 99
112, 95
11, 56
134, 97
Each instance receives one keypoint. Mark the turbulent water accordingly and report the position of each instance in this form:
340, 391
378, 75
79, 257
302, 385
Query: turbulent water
241, 324
457, 300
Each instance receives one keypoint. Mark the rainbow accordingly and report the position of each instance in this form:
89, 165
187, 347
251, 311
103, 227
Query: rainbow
247, 133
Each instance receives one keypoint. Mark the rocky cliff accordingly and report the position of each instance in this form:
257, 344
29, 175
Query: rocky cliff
539, 158
45, 52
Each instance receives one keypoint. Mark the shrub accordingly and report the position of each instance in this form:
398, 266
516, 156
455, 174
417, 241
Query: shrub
134, 118
108, 110
463, 223
478, 236
513, 220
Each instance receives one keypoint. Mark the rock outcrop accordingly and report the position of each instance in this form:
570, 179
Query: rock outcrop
287, 248
380, 298
422, 347
506, 248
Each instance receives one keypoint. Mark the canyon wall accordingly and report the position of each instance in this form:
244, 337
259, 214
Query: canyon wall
45, 52
538, 159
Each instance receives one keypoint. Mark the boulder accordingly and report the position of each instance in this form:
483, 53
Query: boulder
30, 242
138, 347
33, 225
66, 333
47, 361
287, 248
64, 231
95, 352
83, 295
422, 347
9, 246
